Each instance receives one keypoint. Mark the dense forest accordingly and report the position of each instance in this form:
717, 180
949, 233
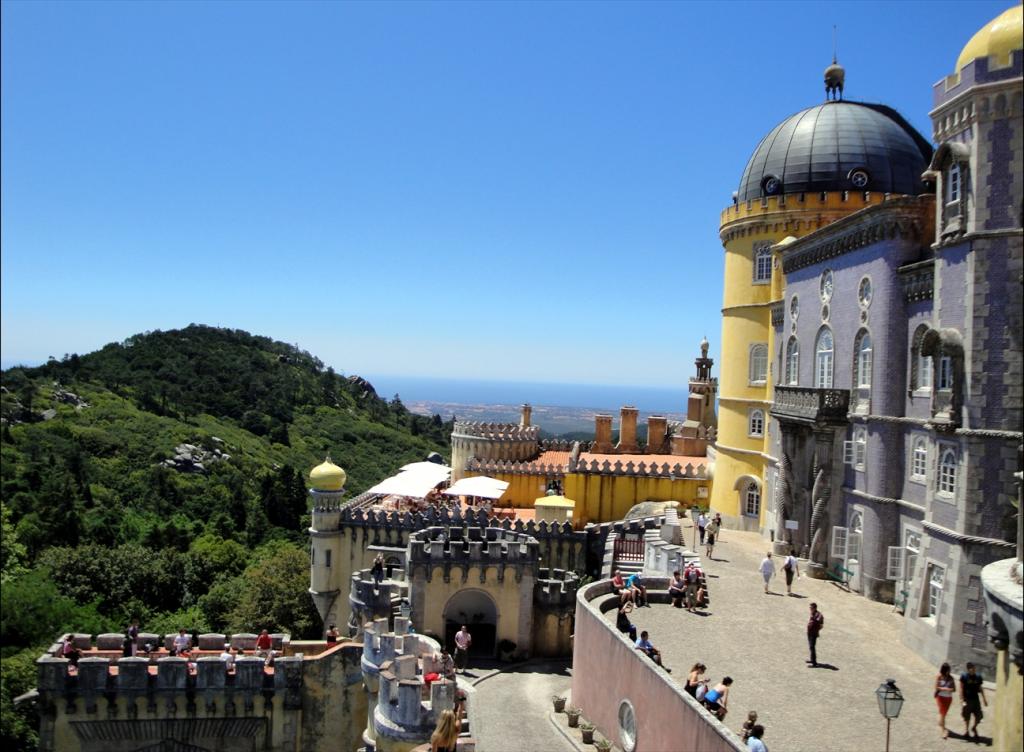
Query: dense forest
163, 478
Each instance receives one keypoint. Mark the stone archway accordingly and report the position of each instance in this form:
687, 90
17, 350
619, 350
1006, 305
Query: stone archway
478, 611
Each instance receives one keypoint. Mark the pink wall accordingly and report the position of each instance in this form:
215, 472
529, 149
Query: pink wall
607, 669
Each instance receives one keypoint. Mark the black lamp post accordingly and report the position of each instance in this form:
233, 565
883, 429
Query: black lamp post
890, 702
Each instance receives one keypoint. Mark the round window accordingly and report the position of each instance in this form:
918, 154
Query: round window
826, 285
771, 185
864, 292
627, 726
859, 179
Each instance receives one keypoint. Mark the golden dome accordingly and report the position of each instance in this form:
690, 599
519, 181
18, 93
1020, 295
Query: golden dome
998, 38
327, 477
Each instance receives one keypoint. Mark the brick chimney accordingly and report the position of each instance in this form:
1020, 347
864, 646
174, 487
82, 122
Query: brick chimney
627, 430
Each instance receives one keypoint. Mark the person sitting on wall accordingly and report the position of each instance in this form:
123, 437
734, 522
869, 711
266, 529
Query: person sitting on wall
644, 645
69, 651
677, 589
622, 622
637, 589
182, 643
332, 635
228, 656
619, 586
264, 644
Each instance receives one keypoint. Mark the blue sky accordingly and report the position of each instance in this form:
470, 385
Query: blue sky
520, 191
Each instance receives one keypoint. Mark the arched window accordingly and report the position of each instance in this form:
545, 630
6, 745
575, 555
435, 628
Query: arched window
758, 364
919, 459
947, 472
824, 352
920, 364
752, 500
756, 423
863, 364
763, 263
945, 380
792, 361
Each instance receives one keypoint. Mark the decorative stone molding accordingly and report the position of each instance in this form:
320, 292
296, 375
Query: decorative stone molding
906, 217
778, 313
495, 431
944, 532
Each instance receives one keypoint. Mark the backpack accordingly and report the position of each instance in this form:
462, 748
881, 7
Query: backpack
702, 690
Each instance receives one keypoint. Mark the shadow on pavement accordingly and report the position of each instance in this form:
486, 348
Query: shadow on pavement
980, 740
828, 666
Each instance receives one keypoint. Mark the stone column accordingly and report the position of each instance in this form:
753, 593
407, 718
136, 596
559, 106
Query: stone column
822, 512
525, 419
602, 434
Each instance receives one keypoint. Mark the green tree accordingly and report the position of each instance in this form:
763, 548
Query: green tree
274, 594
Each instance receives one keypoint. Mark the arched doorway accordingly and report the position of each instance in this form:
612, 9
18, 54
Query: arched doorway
478, 611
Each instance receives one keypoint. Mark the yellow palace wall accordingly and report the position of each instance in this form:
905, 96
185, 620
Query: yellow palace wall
602, 498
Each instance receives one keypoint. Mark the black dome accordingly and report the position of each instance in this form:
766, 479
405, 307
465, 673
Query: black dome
838, 146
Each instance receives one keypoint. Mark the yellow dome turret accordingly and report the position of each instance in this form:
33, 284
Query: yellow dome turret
998, 38
327, 477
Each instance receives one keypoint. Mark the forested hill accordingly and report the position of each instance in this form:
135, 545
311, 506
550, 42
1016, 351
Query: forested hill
163, 477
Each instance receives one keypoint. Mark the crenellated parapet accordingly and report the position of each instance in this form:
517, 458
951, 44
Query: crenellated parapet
555, 590
398, 717
496, 431
515, 467
369, 600
630, 468
477, 548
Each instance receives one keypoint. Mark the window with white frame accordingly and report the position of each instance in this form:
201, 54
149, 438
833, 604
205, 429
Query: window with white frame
792, 361
953, 183
947, 471
945, 380
758, 364
855, 450
924, 371
752, 500
854, 537
762, 264
936, 582
756, 423
919, 459
824, 353
864, 361
920, 364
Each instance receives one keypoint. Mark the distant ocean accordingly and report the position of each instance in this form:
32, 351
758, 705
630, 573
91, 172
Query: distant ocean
466, 392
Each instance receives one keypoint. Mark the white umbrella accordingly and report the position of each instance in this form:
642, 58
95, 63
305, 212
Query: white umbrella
480, 485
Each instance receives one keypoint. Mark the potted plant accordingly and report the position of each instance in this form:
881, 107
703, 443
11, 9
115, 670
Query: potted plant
559, 702
603, 745
506, 648
587, 729
574, 716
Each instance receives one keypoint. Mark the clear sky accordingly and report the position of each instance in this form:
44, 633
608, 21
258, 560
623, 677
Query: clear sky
484, 190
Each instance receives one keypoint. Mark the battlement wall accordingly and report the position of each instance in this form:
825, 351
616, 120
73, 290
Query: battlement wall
445, 546
129, 703
495, 431
555, 589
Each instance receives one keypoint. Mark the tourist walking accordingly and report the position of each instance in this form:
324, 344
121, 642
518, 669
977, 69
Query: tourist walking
754, 743
972, 694
462, 642
814, 627
945, 686
791, 570
718, 524
767, 569
692, 575
710, 532
717, 700
702, 523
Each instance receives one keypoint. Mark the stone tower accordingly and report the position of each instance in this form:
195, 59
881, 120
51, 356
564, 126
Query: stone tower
327, 489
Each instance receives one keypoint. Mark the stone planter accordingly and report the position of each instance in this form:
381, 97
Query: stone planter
559, 703
587, 729
574, 717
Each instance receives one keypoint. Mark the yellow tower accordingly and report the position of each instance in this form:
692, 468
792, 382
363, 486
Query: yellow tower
817, 166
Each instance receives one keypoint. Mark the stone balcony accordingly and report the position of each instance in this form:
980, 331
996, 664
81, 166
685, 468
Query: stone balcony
811, 406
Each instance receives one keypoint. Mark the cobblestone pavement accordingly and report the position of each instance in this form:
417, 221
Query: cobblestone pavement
760, 641
509, 709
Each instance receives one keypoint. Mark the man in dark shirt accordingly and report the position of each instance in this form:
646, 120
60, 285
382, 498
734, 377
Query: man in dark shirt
972, 694
814, 625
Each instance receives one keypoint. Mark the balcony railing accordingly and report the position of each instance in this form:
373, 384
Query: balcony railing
811, 405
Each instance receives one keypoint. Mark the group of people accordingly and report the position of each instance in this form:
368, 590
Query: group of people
687, 587
972, 695
709, 530
790, 567
630, 589
716, 698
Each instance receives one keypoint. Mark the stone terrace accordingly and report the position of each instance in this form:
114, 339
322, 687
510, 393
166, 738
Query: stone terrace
760, 641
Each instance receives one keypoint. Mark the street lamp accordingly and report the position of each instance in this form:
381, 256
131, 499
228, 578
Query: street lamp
890, 702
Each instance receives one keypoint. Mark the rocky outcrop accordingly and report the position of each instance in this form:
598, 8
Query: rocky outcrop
189, 458
62, 395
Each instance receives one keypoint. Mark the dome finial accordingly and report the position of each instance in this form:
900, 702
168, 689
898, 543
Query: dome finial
835, 74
